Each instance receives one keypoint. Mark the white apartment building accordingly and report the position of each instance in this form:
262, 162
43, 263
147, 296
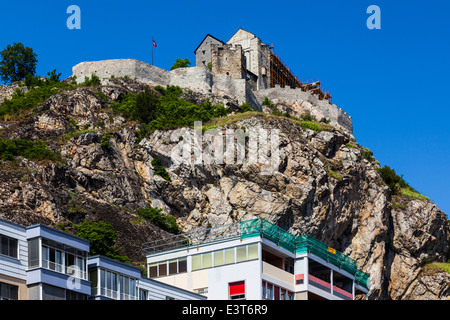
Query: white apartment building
255, 260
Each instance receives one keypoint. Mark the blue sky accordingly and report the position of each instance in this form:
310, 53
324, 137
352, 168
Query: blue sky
393, 82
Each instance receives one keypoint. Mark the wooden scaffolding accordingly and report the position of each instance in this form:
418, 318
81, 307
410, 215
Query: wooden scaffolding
281, 75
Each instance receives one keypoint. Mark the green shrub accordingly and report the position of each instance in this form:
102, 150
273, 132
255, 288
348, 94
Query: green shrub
306, 117
245, 107
267, 102
36, 151
168, 111
367, 154
104, 140
102, 239
181, 63
94, 80
39, 90
311, 125
398, 185
392, 179
165, 222
159, 169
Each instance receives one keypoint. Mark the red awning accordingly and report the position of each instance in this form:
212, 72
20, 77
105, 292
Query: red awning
237, 288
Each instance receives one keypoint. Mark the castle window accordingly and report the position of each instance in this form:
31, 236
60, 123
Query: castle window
203, 52
204, 62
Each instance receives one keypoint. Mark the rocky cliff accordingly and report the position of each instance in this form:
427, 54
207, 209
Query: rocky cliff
325, 186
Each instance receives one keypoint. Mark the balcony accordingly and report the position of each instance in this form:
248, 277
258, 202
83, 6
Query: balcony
277, 273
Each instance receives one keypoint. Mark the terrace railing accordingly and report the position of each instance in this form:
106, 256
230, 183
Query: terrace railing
262, 228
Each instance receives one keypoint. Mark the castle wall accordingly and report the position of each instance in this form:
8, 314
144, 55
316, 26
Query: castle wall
228, 60
199, 79
305, 102
256, 54
194, 78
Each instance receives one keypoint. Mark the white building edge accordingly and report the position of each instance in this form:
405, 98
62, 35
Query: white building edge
255, 260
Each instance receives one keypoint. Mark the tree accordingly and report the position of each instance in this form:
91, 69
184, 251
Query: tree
102, 239
181, 63
17, 62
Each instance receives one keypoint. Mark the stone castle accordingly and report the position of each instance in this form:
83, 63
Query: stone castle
243, 68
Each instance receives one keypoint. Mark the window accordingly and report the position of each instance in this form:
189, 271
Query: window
218, 258
8, 246
229, 256
33, 253
197, 262
8, 292
162, 269
237, 290
241, 253
153, 270
73, 295
58, 257
207, 260
182, 265
252, 251
174, 266
143, 294
52, 293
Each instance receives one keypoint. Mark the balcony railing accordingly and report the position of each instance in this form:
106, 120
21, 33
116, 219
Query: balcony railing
112, 294
72, 271
265, 229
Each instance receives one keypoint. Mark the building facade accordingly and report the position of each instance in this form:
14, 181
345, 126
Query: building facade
255, 260
43, 263
203, 51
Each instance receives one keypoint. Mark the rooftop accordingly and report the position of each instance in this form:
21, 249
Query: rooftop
259, 227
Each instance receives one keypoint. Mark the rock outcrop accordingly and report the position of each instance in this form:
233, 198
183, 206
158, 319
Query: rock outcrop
324, 186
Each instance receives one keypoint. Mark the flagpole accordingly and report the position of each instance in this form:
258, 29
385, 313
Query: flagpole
152, 50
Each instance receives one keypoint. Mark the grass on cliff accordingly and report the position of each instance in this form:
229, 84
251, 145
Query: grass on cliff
165, 222
433, 268
164, 111
32, 150
398, 185
38, 90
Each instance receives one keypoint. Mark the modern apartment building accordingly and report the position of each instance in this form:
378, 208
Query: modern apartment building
43, 263
115, 280
255, 260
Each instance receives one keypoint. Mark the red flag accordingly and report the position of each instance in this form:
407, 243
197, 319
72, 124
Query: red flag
154, 43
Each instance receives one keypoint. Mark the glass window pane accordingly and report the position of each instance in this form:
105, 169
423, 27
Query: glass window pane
218, 258
13, 248
252, 251
4, 249
102, 278
229, 256
182, 265
241, 253
173, 267
207, 260
196, 262
33, 252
